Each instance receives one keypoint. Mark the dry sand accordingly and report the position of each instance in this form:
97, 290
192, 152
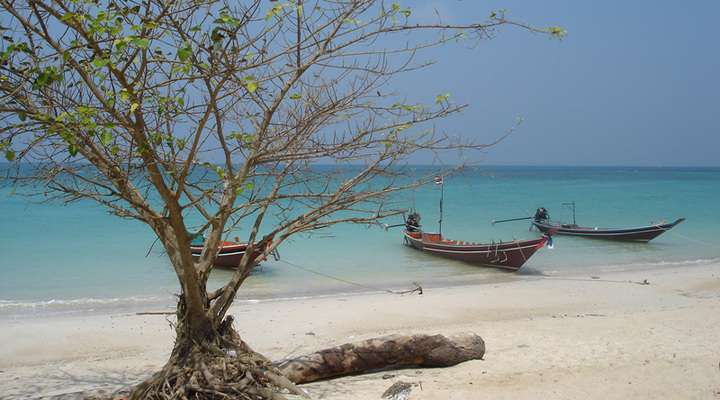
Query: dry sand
560, 338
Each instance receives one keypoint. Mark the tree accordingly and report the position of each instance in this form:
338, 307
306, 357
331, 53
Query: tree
132, 103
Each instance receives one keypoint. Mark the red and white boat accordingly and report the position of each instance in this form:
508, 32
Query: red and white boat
506, 255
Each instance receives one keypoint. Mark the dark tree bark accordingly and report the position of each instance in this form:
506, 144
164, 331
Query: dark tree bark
394, 351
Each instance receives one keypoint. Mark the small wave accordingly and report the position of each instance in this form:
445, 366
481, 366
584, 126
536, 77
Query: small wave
303, 297
77, 303
667, 263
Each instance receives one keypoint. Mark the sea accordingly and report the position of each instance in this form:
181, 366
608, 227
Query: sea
58, 258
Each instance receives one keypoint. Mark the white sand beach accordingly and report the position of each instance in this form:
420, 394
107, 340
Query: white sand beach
547, 338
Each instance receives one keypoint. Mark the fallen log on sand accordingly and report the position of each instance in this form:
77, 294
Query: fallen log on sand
394, 351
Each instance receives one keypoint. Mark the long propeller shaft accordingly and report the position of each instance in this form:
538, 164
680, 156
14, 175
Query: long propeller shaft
509, 220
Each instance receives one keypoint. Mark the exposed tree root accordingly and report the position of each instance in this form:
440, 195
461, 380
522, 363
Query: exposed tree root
224, 368
215, 364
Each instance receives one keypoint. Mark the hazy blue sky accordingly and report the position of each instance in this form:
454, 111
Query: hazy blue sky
634, 83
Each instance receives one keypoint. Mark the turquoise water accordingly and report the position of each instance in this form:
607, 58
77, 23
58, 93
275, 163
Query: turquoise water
77, 256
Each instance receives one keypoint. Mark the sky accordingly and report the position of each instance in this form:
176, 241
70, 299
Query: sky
634, 83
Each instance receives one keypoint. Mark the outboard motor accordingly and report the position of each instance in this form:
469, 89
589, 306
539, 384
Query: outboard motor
542, 215
412, 223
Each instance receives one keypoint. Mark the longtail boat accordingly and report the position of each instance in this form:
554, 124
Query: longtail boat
542, 222
506, 255
229, 253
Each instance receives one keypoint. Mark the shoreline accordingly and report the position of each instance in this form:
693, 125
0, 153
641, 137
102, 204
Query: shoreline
546, 338
27, 309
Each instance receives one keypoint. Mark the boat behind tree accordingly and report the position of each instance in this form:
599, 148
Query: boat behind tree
229, 253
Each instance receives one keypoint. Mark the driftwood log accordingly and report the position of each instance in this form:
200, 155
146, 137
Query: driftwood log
394, 351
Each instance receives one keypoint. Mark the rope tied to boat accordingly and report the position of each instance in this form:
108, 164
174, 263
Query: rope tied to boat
644, 282
675, 233
418, 289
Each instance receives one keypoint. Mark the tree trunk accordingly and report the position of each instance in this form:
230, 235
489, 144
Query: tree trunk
392, 351
213, 363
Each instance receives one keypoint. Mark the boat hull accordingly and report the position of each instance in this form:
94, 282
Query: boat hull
505, 255
641, 234
229, 255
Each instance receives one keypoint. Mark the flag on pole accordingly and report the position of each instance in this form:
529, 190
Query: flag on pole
439, 180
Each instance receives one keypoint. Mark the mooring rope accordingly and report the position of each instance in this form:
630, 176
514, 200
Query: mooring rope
417, 288
675, 233
558, 278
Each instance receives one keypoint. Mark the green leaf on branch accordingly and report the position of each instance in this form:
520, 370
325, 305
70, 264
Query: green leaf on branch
401, 128
181, 143
498, 14
105, 137
140, 43
442, 98
100, 62
15, 48
70, 17
182, 68
10, 155
46, 77
72, 149
156, 138
275, 11
250, 83
243, 188
406, 107
184, 52
134, 106
227, 19
295, 96
557, 32
242, 137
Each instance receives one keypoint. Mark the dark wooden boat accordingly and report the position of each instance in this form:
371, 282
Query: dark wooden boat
229, 253
506, 255
542, 222
641, 234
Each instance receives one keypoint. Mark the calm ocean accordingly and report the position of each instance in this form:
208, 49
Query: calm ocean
69, 258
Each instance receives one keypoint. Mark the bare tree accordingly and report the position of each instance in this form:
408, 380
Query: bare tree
203, 115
